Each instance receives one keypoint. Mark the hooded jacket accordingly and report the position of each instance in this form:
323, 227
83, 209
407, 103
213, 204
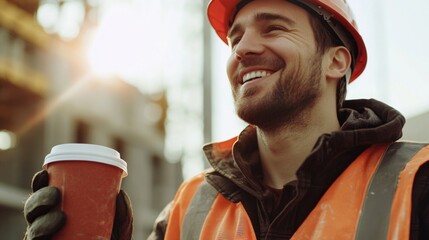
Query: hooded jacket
236, 172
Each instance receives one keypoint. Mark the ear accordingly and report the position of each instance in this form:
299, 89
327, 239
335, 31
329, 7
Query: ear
339, 62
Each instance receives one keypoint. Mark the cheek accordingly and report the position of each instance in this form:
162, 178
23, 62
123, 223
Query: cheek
231, 68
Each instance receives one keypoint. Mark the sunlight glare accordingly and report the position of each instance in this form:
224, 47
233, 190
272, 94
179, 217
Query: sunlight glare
123, 44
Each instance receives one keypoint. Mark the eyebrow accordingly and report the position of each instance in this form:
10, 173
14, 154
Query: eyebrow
260, 17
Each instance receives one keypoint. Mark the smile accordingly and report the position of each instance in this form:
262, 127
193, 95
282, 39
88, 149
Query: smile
254, 75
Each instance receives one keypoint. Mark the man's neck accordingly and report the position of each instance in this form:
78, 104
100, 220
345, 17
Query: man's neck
283, 151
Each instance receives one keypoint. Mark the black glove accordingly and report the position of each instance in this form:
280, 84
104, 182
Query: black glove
44, 221
123, 224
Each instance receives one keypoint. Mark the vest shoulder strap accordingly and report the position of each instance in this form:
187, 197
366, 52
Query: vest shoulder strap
375, 214
197, 211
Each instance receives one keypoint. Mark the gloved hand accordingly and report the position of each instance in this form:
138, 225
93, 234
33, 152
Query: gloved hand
44, 221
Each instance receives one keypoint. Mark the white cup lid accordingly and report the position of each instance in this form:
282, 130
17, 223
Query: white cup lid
86, 152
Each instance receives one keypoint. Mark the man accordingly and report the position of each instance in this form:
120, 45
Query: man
309, 165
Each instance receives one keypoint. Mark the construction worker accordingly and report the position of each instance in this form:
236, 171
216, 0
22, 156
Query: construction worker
309, 165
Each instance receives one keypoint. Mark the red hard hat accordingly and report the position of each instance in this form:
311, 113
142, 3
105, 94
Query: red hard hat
220, 12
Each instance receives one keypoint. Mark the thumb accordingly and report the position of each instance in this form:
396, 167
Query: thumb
40, 180
123, 224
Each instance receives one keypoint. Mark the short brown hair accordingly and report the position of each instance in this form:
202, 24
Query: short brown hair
326, 39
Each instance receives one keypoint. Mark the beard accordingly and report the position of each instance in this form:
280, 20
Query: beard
286, 105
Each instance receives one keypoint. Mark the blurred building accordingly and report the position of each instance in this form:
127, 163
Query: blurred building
417, 128
47, 99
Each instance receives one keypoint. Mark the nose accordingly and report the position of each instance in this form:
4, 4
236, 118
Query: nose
249, 45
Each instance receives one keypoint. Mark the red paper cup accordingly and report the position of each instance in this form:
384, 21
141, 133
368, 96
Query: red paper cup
89, 177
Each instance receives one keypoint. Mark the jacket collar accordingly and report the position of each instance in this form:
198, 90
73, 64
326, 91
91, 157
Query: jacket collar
363, 122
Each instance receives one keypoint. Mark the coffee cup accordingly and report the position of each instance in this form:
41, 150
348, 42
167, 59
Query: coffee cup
89, 177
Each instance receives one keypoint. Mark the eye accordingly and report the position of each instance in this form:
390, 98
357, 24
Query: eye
274, 28
234, 41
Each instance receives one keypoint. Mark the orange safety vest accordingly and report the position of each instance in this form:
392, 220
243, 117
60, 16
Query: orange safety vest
371, 199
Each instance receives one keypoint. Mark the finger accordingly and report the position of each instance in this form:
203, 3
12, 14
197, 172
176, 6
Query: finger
40, 180
45, 226
123, 225
40, 202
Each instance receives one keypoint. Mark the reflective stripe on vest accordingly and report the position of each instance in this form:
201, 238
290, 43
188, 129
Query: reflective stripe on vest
197, 211
375, 217
383, 212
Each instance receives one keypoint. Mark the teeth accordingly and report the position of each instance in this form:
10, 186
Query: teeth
255, 74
